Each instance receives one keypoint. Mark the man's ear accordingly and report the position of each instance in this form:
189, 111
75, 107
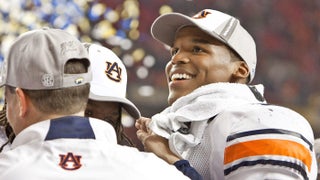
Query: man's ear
241, 71
22, 100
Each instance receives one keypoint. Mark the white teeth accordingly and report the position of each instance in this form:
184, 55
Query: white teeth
180, 76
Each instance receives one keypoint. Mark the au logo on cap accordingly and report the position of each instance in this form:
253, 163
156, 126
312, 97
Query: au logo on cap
113, 71
201, 14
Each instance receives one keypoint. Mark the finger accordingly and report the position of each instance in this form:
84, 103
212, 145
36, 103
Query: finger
141, 123
141, 135
145, 123
137, 124
143, 126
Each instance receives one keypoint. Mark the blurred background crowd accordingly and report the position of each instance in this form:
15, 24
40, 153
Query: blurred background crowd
287, 34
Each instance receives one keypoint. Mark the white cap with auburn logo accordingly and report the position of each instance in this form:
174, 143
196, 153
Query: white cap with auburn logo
109, 78
221, 26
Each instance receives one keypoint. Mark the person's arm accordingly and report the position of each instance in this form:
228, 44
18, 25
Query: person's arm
160, 147
259, 146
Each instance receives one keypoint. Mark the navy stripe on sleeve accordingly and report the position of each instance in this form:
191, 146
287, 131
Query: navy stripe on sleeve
269, 131
295, 166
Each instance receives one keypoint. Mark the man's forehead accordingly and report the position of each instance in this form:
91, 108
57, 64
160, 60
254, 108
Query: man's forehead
196, 35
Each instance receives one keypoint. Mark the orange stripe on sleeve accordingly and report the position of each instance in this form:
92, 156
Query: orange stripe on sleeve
268, 147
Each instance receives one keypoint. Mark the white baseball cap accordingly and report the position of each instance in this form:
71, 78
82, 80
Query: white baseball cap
221, 26
109, 78
37, 58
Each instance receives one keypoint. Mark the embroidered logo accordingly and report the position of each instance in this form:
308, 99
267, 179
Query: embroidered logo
113, 71
47, 80
201, 14
68, 47
70, 161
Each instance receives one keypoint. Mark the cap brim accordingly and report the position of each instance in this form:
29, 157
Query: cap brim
165, 27
125, 103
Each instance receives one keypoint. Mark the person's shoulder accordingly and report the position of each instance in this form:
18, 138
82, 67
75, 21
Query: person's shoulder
268, 111
254, 117
13, 158
144, 162
103, 130
100, 123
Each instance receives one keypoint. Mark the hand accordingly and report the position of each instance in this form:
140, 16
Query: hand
144, 132
154, 143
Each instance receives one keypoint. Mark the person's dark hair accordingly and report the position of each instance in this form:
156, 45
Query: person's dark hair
5, 124
122, 138
236, 57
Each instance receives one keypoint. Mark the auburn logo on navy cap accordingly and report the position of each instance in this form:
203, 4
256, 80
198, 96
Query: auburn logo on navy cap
70, 161
113, 71
201, 14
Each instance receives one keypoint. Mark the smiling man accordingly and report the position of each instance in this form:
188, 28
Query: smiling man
216, 120
199, 59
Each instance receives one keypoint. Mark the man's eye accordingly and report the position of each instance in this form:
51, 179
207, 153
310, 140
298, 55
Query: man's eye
197, 50
174, 51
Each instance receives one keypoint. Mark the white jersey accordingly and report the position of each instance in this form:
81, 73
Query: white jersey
245, 138
77, 148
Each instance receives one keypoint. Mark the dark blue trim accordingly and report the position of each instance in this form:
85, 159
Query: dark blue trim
256, 93
70, 127
186, 169
269, 131
297, 167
